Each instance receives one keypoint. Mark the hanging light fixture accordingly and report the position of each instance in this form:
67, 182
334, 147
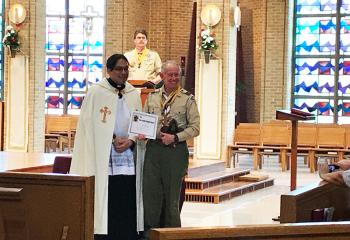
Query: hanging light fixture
17, 14
210, 15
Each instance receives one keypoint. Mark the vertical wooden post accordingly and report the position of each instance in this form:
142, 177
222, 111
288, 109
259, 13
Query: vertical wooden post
293, 158
294, 115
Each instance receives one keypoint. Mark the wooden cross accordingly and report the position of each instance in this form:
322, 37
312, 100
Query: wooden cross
104, 111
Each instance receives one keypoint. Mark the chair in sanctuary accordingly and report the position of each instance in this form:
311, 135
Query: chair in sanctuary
59, 127
62, 164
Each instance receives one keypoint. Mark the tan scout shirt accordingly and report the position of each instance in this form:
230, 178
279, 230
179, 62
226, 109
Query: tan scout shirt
184, 110
149, 68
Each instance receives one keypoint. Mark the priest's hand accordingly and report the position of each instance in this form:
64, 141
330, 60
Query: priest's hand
141, 137
122, 144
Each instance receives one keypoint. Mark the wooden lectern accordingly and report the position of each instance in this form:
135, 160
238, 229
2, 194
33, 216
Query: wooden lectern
294, 116
139, 84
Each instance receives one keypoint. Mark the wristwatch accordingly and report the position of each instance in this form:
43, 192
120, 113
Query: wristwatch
176, 138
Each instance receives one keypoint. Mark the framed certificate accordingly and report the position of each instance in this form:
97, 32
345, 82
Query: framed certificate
143, 123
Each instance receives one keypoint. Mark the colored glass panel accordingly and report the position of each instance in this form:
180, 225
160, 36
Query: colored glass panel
76, 35
96, 37
315, 36
74, 103
54, 103
323, 109
344, 111
77, 74
344, 77
345, 35
345, 6
55, 34
85, 53
54, 73
316, 6
79, 42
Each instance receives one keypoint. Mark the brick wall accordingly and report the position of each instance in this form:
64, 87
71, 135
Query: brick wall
37, 76
252, 29
274, 81
169, 28
264, 54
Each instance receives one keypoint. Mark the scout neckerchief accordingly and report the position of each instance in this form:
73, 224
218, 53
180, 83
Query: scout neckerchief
165, 104
140, 56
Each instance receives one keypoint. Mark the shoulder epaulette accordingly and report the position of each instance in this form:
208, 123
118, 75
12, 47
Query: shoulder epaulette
184, 91
155, 91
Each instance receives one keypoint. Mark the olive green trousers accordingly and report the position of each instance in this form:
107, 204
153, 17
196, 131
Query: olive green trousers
164, 168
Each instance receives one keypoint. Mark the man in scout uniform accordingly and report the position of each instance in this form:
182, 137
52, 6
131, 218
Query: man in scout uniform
166, 158
144, 64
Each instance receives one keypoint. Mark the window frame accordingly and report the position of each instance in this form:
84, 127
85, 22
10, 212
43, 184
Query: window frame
336, 57
66, 54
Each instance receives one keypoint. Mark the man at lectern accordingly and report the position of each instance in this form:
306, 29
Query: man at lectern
144, 64
104, 149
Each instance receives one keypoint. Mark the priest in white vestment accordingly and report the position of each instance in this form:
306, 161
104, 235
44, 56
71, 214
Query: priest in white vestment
103, 149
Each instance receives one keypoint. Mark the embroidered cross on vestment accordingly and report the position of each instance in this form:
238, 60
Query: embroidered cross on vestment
105, 111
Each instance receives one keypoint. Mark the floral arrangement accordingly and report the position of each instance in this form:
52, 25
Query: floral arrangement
11, 39
207, 40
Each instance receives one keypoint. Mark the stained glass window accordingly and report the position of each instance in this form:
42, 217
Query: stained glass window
321, 59
1, 51
74, 51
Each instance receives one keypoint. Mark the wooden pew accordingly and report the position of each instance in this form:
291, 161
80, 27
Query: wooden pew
347, 140
297, 205
60, 129
276, 139
314, 141
307, 141
306, 231
246, 141
330, 141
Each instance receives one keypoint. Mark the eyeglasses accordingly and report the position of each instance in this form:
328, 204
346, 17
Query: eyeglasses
119, 69
172, 74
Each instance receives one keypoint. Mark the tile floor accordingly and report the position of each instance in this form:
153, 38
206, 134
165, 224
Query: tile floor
253, 208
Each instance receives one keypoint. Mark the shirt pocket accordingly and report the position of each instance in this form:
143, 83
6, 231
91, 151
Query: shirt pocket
132, 68
179, 114
148, 64
154, 109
